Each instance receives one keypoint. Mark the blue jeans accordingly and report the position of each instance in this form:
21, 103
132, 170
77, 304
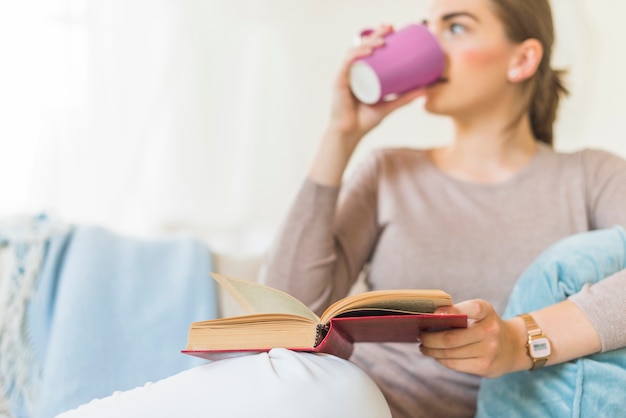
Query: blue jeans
592, 386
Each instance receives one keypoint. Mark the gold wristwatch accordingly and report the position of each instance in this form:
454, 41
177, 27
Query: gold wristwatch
538, 345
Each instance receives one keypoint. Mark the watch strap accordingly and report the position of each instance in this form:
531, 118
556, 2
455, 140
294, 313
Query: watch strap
533, 331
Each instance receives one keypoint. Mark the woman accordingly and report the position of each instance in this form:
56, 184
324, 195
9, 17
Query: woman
467, 218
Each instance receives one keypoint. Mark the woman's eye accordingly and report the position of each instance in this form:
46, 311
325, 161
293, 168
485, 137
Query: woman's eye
457, 28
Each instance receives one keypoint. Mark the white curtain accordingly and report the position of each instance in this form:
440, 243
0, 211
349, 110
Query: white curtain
155, 116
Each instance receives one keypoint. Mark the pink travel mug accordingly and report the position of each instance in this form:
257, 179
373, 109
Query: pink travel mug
411, 57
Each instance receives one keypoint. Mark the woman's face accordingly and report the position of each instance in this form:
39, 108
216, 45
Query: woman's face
478, 58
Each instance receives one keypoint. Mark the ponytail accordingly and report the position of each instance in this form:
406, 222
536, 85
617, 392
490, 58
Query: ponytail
544, 103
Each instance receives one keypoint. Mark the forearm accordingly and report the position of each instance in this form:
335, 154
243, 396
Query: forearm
325, 240
303, 260
331, 158
570, 331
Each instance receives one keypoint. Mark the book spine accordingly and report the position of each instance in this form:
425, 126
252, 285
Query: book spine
320, 333
334, 341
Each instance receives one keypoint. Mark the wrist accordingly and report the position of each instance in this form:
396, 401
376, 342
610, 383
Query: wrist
347, 139
520, 359
539, 346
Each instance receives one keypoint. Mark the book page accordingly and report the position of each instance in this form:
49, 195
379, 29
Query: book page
403, 300
256, 298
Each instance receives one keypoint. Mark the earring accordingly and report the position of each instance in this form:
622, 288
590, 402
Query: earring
513, 73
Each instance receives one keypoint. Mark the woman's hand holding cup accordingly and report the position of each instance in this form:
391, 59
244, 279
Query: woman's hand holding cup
350, 118
386, 73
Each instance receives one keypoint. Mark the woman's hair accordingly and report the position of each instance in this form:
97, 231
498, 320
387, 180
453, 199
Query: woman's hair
532, 19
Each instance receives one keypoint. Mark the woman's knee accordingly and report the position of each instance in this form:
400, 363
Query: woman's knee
322, 385
280, 383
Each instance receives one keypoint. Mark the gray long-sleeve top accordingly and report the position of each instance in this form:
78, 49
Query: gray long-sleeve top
412, 226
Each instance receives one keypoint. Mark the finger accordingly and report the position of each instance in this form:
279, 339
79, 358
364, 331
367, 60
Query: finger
476, 309
455, 338
380, 32
469, 351
353, 55
469, 359
374, 39
373, 43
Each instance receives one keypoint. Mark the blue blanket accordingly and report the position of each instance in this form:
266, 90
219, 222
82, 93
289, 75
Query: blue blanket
112, 312
591, 386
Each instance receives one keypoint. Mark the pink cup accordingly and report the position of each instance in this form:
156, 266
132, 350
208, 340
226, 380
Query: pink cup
411, 57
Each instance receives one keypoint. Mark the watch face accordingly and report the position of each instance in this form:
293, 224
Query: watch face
539, 347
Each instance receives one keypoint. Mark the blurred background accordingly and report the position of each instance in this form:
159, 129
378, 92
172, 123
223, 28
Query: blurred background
157, 116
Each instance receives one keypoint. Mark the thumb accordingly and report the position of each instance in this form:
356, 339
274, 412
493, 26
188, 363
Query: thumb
475, 309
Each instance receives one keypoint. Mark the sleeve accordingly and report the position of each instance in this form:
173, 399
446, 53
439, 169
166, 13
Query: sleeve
604, 176
325, 240
604, 303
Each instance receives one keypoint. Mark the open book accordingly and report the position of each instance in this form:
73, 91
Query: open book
277, 319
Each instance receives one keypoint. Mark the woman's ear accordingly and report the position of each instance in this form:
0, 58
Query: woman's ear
525, 61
